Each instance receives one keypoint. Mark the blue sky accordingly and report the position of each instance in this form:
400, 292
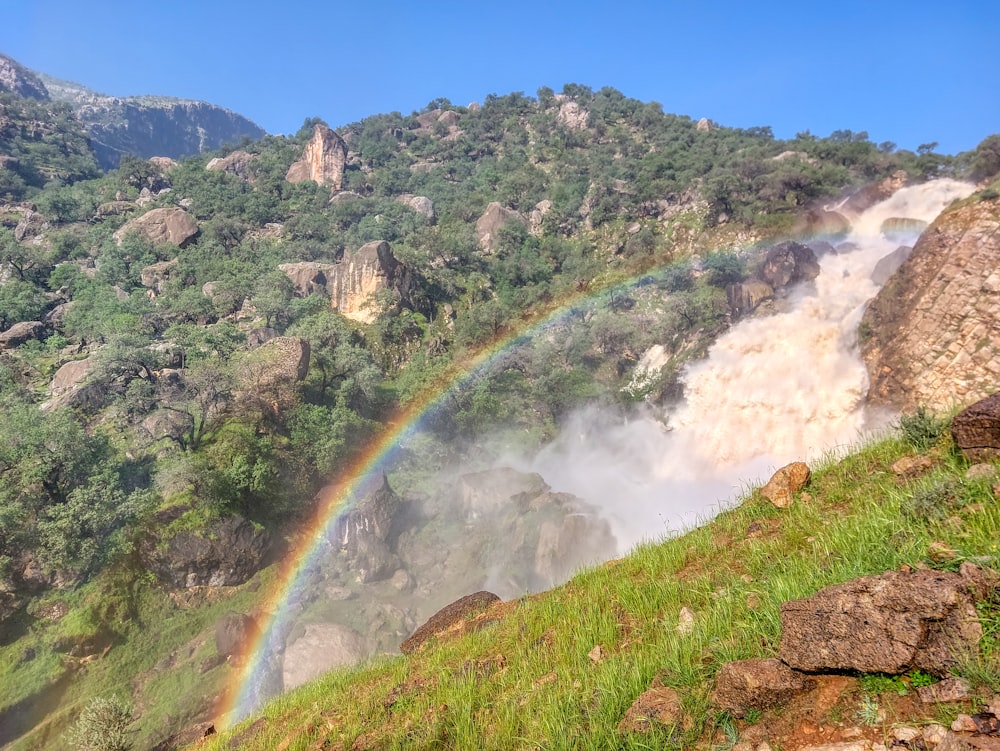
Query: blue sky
908, 72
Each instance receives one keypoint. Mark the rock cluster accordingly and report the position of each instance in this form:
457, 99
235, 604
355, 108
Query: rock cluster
783, 265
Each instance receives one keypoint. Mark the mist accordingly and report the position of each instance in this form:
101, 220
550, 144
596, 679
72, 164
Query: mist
774, 389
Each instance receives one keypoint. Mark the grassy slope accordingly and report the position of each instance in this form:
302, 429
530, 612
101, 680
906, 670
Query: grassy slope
528, 682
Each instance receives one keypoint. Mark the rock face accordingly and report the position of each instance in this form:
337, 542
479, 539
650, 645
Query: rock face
882, 624
362, 273
174, 226
491, 222
976, 430
447, 617
151, 126
322, 161
759, 684
17, 79
221, 554
931, 330
888, 265
365, 536
745, 297
236, 163
233, 633
873, 193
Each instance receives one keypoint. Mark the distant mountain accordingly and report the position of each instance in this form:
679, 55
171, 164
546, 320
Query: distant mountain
143, 126
147, 126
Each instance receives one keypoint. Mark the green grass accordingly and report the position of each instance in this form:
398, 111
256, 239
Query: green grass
548, 694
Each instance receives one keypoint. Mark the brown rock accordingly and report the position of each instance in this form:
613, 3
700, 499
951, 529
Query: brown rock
818, 222
309, 277
448, 616
362, 273
789, 263
962, 742
114, 208
20, 333
950, 689
658, 706
908, 467
882, 624
787, 481
758, 684
155, 275
976, 430
491, 222
174, 226
744, 297
874, 193
236, 163
322, 161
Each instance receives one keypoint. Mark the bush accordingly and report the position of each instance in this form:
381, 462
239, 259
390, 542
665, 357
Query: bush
103, 726
921, 429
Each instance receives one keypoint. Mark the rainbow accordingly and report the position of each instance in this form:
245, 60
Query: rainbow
243, 695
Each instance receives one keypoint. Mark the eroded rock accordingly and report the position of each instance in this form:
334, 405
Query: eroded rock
657, 706
174, 226
976, 430
447, 617
322, 161
491, 222
780, 490
759, 684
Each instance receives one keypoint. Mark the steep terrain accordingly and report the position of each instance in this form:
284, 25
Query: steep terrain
930, 337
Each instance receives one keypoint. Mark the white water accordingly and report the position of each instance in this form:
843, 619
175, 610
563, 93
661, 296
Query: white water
773, 390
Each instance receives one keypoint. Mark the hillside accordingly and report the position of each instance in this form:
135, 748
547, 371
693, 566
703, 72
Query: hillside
190, 352
666, 624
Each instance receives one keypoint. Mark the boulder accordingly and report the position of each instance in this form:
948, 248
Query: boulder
898, 228
572, 115
70, 375
976, 430
420, 204
235, 163
222, 553
169, 423
537, 216
489, 491
21, 332
491, 222
173, 226
283, 359
448, 617
788, 263
570, 543
155, 275
309, 277
114, 208
785, 483
365, 535
747, 685
320, 648
820, 222
891, 623
322, 161
874, 193
887, 265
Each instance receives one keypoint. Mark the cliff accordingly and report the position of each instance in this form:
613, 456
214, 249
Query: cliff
147, 126
930, 334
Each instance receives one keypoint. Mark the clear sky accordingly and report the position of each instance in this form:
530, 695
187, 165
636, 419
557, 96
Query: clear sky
910, 72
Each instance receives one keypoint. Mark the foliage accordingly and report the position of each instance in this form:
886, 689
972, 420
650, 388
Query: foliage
103, 725
921, 429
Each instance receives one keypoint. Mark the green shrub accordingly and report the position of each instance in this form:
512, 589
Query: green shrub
103, 725
921, 429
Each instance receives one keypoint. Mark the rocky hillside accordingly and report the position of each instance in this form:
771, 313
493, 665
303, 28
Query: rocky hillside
930, 337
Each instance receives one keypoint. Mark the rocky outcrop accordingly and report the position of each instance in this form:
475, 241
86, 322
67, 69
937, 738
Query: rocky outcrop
571, 114
822, 223
322, 161
448, 617
278, 361
929, 336
874, 193
17, 79
883, 624
491, 222
365, 538
235, 163
889, 264
362, 273
174, 226
233, 633
70, 375
976, 430
745, 297
219, 554
489, 491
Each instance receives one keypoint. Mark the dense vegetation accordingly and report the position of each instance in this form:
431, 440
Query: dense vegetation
636, 215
